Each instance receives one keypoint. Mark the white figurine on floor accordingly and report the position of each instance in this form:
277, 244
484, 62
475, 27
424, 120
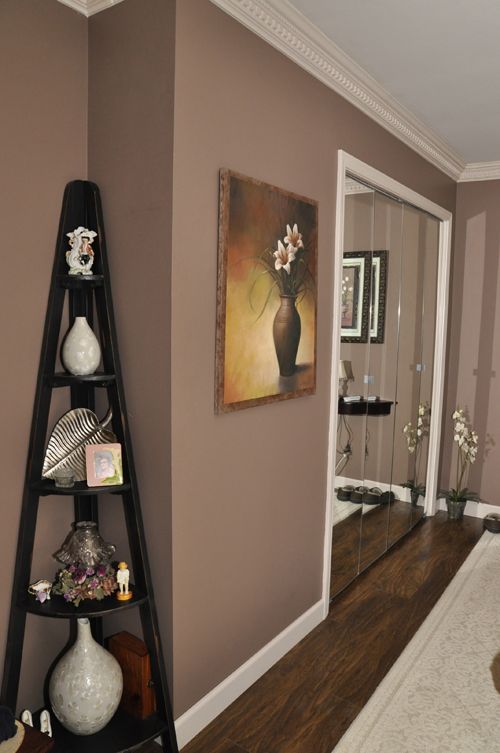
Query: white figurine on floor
80, 257
122, 578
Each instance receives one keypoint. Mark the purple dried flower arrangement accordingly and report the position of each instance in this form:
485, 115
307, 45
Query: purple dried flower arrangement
78, 582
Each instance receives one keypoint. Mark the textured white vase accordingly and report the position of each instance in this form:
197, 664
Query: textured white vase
80, 351
86, 685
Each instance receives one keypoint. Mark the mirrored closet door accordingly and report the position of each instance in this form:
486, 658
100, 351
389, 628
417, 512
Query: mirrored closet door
386, 363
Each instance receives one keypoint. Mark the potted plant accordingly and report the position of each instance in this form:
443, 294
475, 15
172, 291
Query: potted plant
414, 438
467, 441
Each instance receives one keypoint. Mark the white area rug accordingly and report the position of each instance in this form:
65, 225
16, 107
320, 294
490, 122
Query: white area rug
439, 696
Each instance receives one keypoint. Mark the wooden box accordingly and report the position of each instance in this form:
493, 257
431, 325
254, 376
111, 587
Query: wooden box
138, 697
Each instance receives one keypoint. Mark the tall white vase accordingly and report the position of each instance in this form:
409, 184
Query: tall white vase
80, 351
86, 685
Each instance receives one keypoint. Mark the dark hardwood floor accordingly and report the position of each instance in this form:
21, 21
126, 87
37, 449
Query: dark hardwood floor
307, 700
360, 539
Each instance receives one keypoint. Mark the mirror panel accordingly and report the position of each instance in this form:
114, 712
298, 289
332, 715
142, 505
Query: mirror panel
389, 292
354, 358
381, 377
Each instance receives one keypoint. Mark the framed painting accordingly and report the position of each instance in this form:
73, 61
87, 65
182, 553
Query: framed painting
364, 287
266, 294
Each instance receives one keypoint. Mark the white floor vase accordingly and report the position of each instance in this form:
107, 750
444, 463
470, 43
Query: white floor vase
86, 685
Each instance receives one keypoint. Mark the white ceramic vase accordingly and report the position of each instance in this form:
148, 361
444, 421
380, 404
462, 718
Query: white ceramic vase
86, 685
80, 351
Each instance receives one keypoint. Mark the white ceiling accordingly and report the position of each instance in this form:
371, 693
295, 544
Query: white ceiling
439, 59
426, 71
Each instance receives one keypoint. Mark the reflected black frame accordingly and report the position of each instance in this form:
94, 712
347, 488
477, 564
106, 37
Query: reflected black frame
362, 298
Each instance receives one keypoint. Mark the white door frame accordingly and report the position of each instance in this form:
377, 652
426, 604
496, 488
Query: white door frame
349, 164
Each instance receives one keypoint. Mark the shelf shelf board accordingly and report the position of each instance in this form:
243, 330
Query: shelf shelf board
122, 734
363, 407
99, 379
47, 486
73, 282
58, 607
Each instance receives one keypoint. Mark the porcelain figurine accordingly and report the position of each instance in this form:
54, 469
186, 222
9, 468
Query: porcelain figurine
80, 257
122, 578
41, 590
45, 724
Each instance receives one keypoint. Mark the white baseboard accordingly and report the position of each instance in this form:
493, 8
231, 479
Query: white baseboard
473, 509
205, 710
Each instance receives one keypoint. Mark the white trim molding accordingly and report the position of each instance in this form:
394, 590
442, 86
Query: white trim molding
89, 7
475, 171
202, 713
280, 24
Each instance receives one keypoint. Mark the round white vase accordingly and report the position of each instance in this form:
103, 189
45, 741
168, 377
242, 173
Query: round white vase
86, 685
80, 352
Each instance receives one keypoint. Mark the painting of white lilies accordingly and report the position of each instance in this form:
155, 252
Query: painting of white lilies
266, 302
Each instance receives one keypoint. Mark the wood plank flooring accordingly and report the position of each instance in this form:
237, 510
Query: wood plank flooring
307, 700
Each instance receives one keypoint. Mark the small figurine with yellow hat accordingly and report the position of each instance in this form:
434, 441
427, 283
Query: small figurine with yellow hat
122, 578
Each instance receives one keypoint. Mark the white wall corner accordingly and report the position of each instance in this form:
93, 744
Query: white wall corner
89, 7
202, 713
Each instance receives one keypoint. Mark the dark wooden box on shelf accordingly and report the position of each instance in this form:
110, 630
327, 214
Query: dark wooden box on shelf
125, 732
132, 655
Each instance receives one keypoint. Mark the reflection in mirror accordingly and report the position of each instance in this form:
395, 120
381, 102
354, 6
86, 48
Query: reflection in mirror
388, 299
418, 285
381, 380
351, 427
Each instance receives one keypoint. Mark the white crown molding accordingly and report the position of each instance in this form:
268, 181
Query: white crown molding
89, 7
280, 24
475, 171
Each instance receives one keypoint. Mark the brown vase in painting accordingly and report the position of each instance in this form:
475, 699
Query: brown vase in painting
286, 334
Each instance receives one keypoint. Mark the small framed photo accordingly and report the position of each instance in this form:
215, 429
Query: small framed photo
104, 464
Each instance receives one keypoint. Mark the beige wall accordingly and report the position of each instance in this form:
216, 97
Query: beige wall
131, 77
248, 515
475, 341
43, 136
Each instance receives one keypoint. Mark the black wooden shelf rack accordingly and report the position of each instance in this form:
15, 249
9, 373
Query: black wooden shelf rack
86, 295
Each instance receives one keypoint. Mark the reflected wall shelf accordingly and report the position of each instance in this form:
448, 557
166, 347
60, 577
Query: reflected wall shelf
363, 407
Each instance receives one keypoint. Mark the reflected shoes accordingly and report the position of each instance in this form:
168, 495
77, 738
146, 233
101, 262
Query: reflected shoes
363, 495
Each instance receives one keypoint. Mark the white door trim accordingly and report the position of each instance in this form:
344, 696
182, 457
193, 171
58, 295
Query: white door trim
349, 164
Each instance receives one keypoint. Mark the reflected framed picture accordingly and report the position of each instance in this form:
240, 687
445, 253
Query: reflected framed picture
104, 464
364, 287
266, 294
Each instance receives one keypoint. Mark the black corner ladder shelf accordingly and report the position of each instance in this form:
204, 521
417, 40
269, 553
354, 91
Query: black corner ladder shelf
82, 206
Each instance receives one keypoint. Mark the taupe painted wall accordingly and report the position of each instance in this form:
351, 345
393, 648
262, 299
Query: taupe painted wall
249, 488
247, 516
131, 80
475, 341
43, 137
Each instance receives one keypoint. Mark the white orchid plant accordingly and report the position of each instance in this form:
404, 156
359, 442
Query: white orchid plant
467, 441
287, 267
415, 436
